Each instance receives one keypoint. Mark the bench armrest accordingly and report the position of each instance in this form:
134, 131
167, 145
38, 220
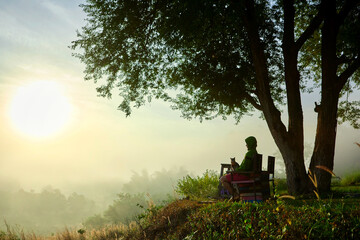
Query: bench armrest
241, 172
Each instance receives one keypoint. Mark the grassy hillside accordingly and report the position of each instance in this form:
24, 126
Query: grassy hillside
188, 219
335, 216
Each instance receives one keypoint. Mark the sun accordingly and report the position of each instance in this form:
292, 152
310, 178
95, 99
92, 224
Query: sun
40, 109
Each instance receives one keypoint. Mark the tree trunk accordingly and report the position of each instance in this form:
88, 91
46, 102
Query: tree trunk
293, 150
296, 176
290, 142
324, 148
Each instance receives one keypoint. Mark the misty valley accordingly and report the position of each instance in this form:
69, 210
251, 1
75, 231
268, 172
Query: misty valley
50, 210
171, 204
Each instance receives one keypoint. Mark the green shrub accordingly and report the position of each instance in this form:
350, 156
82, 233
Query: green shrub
124, 210
199, 187
280, 186
351, 179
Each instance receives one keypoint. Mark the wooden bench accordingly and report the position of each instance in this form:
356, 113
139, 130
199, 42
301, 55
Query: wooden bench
257, 187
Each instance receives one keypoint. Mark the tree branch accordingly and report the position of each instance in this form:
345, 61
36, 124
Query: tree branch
289, 14
348, 6
253, 101
292, 76
355, 65
314, 24
271, 113
343, 59
344, 76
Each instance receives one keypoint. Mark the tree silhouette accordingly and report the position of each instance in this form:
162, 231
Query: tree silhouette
228, 58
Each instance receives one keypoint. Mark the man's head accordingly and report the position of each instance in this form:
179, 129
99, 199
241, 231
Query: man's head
251, 142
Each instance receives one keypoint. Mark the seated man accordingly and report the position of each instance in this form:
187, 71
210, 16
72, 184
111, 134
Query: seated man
246, 165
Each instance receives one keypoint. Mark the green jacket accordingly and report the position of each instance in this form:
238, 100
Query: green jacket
247, 163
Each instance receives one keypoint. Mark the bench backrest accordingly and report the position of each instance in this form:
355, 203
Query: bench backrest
257, 161
224, 166
271, 165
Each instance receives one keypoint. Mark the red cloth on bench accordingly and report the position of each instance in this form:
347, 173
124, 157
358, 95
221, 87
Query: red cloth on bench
236, 177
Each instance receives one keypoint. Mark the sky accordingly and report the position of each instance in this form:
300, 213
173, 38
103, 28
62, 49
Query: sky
94, 142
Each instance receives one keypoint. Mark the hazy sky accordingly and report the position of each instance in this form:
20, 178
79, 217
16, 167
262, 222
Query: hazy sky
97, 142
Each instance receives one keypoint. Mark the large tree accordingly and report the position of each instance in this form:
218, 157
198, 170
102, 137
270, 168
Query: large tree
213, 58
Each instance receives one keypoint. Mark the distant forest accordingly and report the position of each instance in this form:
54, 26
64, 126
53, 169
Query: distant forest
44, 212
50, 210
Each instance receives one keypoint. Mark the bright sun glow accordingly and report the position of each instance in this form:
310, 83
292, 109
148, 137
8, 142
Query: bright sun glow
40, 109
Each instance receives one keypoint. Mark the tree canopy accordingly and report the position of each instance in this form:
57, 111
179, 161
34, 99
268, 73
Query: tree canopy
228, 58
196, 47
